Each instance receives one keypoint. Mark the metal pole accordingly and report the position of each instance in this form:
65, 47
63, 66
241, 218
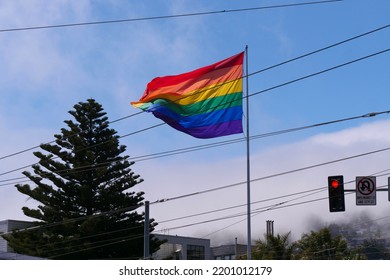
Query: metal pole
248, 174
146, 232
235, 248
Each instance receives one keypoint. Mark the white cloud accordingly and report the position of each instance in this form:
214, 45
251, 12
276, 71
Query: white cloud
34, 58
373, 133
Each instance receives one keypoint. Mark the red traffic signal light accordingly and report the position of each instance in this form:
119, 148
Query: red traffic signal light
336, 193
334, 183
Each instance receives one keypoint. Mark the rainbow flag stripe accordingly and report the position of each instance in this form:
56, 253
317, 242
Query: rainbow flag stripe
204, 103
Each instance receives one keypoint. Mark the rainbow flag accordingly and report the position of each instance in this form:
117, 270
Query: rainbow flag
204, 103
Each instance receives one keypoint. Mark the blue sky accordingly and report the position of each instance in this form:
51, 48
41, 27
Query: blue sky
45, 72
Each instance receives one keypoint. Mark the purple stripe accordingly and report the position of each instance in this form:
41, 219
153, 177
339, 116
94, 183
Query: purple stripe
205, 132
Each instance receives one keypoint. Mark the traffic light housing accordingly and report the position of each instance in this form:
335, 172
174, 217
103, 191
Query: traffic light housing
336, 193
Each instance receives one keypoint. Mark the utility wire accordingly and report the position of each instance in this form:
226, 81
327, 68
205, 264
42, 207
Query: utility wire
317, 190
253, 137
257, 211
111, 242
320, 72
295, 80
273, 175
115, 241
382, 150
53, 141
275, 206
266, 208
119, 239
89, 147
306, 193
251, 74
254, 212
195, 148
164, 17
321, 49
253, 94
38, 146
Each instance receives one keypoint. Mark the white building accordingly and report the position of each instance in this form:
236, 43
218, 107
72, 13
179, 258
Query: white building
182, 248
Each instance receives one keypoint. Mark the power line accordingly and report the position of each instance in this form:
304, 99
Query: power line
243, 205
368, 115
253, 137
89, 147
267, 208
111, 242
257, 211
38, 146
194, 148
250, 95
253, 213
260, 210
321, 49
164, 17
304, 77
320, 72
274, 175
279, 205
115, 241
120, 239
51, 142
251, 74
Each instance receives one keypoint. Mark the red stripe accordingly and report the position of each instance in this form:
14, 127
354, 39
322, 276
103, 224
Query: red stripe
159, 82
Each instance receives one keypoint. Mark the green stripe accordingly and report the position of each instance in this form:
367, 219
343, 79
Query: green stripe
201, 107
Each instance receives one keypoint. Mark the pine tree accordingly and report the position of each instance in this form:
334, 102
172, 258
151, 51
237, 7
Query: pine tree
81, 183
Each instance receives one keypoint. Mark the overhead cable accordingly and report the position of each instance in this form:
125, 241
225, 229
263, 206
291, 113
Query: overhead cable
250, 95
198, 147
251, 74
164, 17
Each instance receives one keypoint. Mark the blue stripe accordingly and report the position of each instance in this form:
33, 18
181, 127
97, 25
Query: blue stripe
200, 120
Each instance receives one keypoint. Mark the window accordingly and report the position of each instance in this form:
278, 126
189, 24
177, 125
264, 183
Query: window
195, 252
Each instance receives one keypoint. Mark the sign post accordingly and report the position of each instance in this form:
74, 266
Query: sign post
388, 187
366, 190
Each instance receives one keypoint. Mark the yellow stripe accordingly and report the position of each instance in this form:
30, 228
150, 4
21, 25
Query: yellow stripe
204, 93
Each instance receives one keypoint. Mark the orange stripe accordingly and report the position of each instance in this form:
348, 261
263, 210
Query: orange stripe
198, 84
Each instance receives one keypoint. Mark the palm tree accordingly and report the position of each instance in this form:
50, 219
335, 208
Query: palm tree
276, 247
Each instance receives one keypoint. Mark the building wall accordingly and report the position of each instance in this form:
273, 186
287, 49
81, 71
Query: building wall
183, 248
228, 252
3, 229
8, 226
14, 256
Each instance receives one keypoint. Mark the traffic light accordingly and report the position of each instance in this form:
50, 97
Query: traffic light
336, 193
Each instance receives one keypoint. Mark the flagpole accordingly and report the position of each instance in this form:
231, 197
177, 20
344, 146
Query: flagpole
248, 174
